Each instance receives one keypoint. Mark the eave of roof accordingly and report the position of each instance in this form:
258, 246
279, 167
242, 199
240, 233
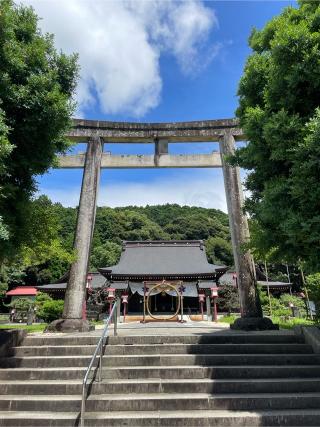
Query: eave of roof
22, 290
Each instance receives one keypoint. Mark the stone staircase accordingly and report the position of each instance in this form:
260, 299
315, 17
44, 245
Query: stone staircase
221, 379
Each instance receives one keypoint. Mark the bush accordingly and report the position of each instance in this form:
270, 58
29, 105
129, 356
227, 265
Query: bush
287, 299
313, 286
281, 306
21, 304
228, 299
41, 298
51, 310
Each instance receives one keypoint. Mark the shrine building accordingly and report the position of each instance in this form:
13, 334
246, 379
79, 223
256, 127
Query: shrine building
156, 277
153, 279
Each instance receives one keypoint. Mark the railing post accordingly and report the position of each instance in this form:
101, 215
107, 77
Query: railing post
97, 353
83, 405
115, 320
100, 361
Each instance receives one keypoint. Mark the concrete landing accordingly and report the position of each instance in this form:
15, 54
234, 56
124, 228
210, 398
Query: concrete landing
168, 328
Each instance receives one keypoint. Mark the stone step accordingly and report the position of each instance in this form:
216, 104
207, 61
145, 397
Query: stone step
280, 337
144, 349
166, 372
162, 402
217, 338
163, 360
214, 372
186, 418
204, 385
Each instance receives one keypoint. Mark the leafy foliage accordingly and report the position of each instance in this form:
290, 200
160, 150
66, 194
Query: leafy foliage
36, 88
51, 310
281, 306
49, 252
21, 304
166, 222
106, 254
313, 286
41, 299
279, 98
228, 300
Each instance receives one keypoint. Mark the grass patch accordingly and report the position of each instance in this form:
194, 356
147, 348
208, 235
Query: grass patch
294, 321
228, 318
282, 322
97, 322
36, 327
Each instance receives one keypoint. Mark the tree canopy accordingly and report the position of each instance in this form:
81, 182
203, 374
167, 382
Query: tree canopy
279, 96
112, 226
36, 88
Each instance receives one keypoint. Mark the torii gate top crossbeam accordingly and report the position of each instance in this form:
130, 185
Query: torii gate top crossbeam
119, 132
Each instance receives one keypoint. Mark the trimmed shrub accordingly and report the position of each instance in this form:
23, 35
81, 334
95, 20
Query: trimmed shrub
51, 310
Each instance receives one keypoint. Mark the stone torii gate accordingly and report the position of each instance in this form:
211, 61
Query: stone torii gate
96, 133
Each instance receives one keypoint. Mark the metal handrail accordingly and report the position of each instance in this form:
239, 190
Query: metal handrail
99, 348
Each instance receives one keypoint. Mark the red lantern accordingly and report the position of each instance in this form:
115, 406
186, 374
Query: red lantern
201, 297
201, 301
111, 294
124, 298
89, 280
214, 292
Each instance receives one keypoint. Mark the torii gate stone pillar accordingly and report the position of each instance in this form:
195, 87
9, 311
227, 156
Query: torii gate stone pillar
76, 287
251, 312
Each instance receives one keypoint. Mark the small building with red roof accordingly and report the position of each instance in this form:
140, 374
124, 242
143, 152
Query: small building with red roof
22, 292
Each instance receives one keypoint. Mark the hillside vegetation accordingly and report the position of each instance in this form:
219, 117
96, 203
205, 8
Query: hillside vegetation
113, 225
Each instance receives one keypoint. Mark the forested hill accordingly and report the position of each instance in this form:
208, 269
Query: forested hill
151, 223
113, 225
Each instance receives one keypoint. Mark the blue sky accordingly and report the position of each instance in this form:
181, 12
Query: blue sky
153, 61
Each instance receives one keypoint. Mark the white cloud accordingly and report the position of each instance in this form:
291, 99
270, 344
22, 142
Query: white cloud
204, 188
120, 44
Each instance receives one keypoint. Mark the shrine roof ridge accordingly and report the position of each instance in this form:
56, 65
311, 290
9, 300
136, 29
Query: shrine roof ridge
133, 243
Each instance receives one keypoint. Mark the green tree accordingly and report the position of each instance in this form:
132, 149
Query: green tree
279, 95
219, 251
44, 242
36, 88
105, 255
21, 303
48, 254
228, 299
195, 226
10, 274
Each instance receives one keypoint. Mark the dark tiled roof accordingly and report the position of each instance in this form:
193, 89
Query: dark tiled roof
162, 258
274, 284
52, 286
206, 284
119, 285
97, 282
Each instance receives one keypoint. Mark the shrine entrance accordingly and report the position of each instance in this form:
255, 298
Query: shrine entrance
166, 293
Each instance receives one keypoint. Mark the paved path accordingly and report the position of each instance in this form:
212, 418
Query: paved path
168, 328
